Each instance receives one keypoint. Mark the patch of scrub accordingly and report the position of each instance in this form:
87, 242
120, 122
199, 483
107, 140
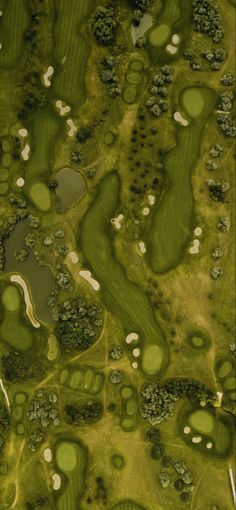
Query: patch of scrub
20, 182
193, 102
48, 74
25, 152
73, 257
16, 278
62, 107
88, 277
40, 196
72, 127
145, 23
179, 118
117, 221
159, 35
52, 348
195, 247
122, 297
71, 187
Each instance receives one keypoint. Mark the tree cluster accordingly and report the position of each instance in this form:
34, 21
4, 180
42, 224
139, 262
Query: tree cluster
43, 409
104, 25
139, 7
79, 323
224, 224
84, 413
37, 503
154, 437
207, 19
108, 75
157, 103
214, 57
4, 417
157, 402
17, 367
217, 190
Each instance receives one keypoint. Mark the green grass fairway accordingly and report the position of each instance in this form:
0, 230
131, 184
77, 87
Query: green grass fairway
40, 196
127, 505
71, 460
172, 219
45, 129
73, 45
15, 20
11, 298
202, 421
15, 334
121, 296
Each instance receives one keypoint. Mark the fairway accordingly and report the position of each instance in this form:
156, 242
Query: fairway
122, 296
15, 22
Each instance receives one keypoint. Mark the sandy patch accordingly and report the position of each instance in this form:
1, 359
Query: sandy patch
47, 75
88, 277
16, 278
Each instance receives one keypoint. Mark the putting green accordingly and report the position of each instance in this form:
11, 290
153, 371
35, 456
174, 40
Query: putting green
126, 392
40, 196
230, 383
11, 299
136, 65
197, 341
117, 461
225, 369
202, 421
193, 101
159, 35
66, 456
152, 359
134, 78
129, 94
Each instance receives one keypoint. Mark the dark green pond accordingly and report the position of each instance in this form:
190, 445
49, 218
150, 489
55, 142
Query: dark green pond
71, 187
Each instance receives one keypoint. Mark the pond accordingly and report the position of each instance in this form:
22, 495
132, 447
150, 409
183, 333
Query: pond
41, 279
71, 187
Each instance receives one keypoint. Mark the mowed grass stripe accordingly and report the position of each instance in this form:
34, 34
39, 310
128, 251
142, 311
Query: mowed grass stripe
170, 12
123, 297
73, 45
15, 20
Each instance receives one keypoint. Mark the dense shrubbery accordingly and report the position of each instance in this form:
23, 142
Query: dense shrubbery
139, 7
217, 190
84, 413
4, 417
104, 25
158, 401
207, 19
157, 103
17, 367
43, 409
79, 323
109, 77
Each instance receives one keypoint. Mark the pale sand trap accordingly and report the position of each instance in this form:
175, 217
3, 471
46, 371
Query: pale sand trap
179, 118
196, 439
5, 393
171, 49
131, 337
136, 352
47, 454
25, 152
62, 107
117, 221
175, 39
73, 257
202, 403
47, 75
219, 395
16, 278
151, 199
23, 132
209, 445
20, 182
142, 247
146, 211
197, 231
72, 127
0, 12
56, 481
88, 277
195, 247
134, 364
187, 430
0, 46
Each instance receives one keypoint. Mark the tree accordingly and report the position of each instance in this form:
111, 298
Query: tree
16, 367
115, 376
153, 435
157, 451
84, 413
207, 19
105, 25
4, 418
227, 79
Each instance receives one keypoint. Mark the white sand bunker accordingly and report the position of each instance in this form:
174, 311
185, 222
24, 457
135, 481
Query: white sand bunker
209, 445
142, 247
72, 127
73, 257
88, 277
171, 49
117, 221
195, 248
62, 107
131, 337
196, 439
25, 152
197, 231
175, 39
23, 132
47, 455
179, 118
47, 75
16, 278
20, 182
187, 430
146, 211
151, 199
136, 352
134, 364
56, 481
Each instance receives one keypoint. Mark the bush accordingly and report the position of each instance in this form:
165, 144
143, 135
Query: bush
104, 25
84, 413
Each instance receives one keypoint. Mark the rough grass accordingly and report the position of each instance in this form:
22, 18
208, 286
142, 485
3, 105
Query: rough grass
71, 44
14, 22
121, 296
